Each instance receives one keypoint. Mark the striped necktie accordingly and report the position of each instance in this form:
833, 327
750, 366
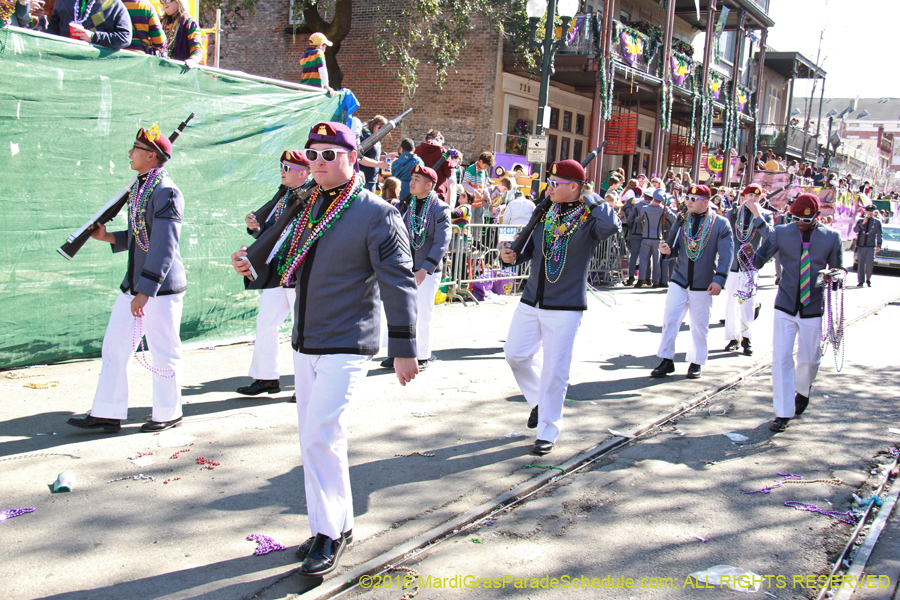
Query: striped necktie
804, 275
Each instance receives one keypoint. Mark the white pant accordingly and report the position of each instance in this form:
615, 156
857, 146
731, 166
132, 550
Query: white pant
275, 305
162, 326
681, 302
425, 298
325, 385
738, 315
543, 385
789, 378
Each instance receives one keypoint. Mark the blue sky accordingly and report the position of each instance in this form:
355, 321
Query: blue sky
859, 50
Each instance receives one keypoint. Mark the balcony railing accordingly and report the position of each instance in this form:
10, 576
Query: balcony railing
785, 137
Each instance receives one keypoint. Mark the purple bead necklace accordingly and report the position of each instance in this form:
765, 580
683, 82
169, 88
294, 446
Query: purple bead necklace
264, 544
6, 515
138, 344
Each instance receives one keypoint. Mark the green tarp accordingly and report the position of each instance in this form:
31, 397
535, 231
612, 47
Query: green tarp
68, 116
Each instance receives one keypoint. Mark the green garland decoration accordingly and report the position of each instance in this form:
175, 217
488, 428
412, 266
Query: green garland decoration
666, 100
605, 72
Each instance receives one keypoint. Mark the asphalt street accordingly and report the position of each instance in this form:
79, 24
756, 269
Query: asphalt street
187, 538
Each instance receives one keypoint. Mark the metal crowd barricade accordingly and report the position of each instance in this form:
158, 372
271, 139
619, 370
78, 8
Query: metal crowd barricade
609, 265
474, 256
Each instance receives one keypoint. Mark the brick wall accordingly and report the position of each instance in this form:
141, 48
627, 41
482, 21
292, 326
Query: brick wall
462, 110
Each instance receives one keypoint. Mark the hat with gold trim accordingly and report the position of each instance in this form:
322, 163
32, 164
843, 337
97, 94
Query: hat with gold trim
153, 138
753, 188
699, 191
425, 172
805, 205
332, 133
295, 157
568, 169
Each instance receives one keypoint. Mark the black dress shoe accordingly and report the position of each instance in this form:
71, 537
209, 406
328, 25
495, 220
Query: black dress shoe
630, 281
156, 426
748, 349
693, 371
323, 557
664, 368
869, 283
732, 346
423, 365
89, 422
303, 550
388, 363
800, 404
272, 386
542, 447
293, 398
779, 424
641, 283
533, 418
860, 284
656, 284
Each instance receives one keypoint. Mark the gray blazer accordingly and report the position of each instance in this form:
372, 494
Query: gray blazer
654, 219
825, 251
158, 271
430, 254
569, 292
632, 213
361, 260
265, 215
761, 227
868, 235
712, 264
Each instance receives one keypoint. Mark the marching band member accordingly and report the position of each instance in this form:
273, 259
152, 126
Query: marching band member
868, 243
703, 251
749, 226
151, 294
555, 296
805, 248
348, 249
655, 218
276, 303
427, 220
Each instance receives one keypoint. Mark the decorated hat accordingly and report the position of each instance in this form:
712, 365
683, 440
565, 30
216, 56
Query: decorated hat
805, 205
648, 192
568, 169
317, 39
753, 188
332, 133
153, 138
699, 191
638, 191
661, 196
295, 157
425, 172
871, 207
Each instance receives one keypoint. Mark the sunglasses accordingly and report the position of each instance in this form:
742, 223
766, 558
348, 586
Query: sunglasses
805, 220
286, 168
144, 148
554, 184
166, 1
327, 155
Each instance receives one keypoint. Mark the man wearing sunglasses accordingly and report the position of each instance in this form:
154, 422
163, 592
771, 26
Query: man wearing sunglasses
805, 248
347, 250
275, 303
750, 226
427, 220
702, 250
150, 296
554, 298
868, 243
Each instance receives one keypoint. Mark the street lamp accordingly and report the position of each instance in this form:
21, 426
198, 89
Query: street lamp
535, 10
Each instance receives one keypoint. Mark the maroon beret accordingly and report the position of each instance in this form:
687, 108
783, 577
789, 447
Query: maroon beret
805, 205
153, 138
638, 191
332, 133
425, 172
295, 157
699, 191
568, 169
753, 188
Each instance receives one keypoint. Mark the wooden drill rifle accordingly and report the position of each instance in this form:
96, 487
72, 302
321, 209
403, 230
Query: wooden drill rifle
540, 211
261, 276
109, 211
